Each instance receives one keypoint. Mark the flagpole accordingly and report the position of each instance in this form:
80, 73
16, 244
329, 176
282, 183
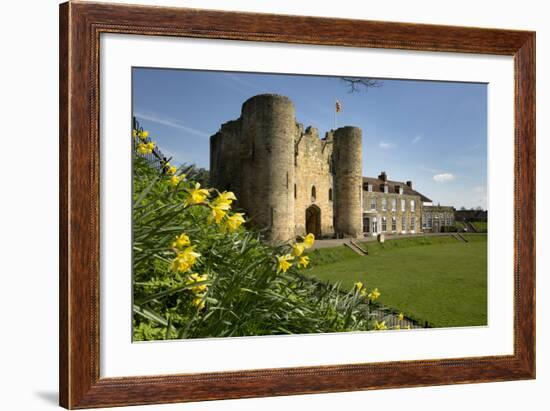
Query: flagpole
335, 112
334, 122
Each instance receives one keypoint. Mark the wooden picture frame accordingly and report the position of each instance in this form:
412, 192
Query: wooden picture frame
80, 27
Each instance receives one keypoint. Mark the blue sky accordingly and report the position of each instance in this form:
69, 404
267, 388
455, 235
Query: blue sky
433, 133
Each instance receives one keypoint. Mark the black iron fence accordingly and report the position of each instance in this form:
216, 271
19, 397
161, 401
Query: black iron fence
392, 319
156, 158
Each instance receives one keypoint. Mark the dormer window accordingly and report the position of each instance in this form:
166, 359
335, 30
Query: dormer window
369, 188
385, 188
400, 190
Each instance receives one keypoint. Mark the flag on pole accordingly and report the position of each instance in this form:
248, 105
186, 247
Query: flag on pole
338, 106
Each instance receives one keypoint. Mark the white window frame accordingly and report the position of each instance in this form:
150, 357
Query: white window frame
403, 204
384, 204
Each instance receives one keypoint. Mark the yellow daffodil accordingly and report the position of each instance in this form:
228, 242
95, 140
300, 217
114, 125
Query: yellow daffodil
220, 205
217, 214
199, 302
380, 325
224, 200
185, 260
408, 327
360, 287
145, 148
196, 278
397, 327
400, 317
303, 261
174, 181
298, 249
143, 134
170, 169
197, 195
283, 262
234, 221
134, 133
181, 242
374, 294
309, 240
142, 148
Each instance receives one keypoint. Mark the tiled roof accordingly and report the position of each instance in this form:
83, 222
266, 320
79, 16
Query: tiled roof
377, 187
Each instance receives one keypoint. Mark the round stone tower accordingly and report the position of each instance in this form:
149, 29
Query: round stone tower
269, 129
347, 166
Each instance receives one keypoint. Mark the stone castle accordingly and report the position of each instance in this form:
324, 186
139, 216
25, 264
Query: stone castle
292, 182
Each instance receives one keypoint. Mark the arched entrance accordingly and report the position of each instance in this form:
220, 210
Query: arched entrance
313, 220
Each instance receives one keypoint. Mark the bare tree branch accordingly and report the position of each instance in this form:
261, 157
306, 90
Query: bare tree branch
356, 84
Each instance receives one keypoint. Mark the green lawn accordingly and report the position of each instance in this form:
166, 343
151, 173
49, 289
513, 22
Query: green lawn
459, 225
481, 226
435, 279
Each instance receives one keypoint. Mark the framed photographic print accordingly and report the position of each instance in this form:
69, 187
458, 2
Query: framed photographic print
257, 205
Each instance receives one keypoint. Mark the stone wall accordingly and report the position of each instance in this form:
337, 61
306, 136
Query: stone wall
280, 172
348, 181
253, 156
313, 180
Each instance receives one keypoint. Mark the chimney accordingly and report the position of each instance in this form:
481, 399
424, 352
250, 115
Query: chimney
410, 184
383, 176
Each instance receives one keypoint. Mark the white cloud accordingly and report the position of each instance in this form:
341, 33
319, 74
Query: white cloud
416, 139
236, 79
443, 177
386, 146
170, 122
234, 82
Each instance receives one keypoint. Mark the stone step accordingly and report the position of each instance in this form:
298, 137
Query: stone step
353, 247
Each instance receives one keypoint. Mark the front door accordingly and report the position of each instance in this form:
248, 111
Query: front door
313, 221
366, 224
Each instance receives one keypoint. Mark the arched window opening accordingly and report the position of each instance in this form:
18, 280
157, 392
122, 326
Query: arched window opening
313, 193
330, 194
295, 191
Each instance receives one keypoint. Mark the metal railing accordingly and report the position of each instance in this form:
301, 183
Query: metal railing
156, 158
